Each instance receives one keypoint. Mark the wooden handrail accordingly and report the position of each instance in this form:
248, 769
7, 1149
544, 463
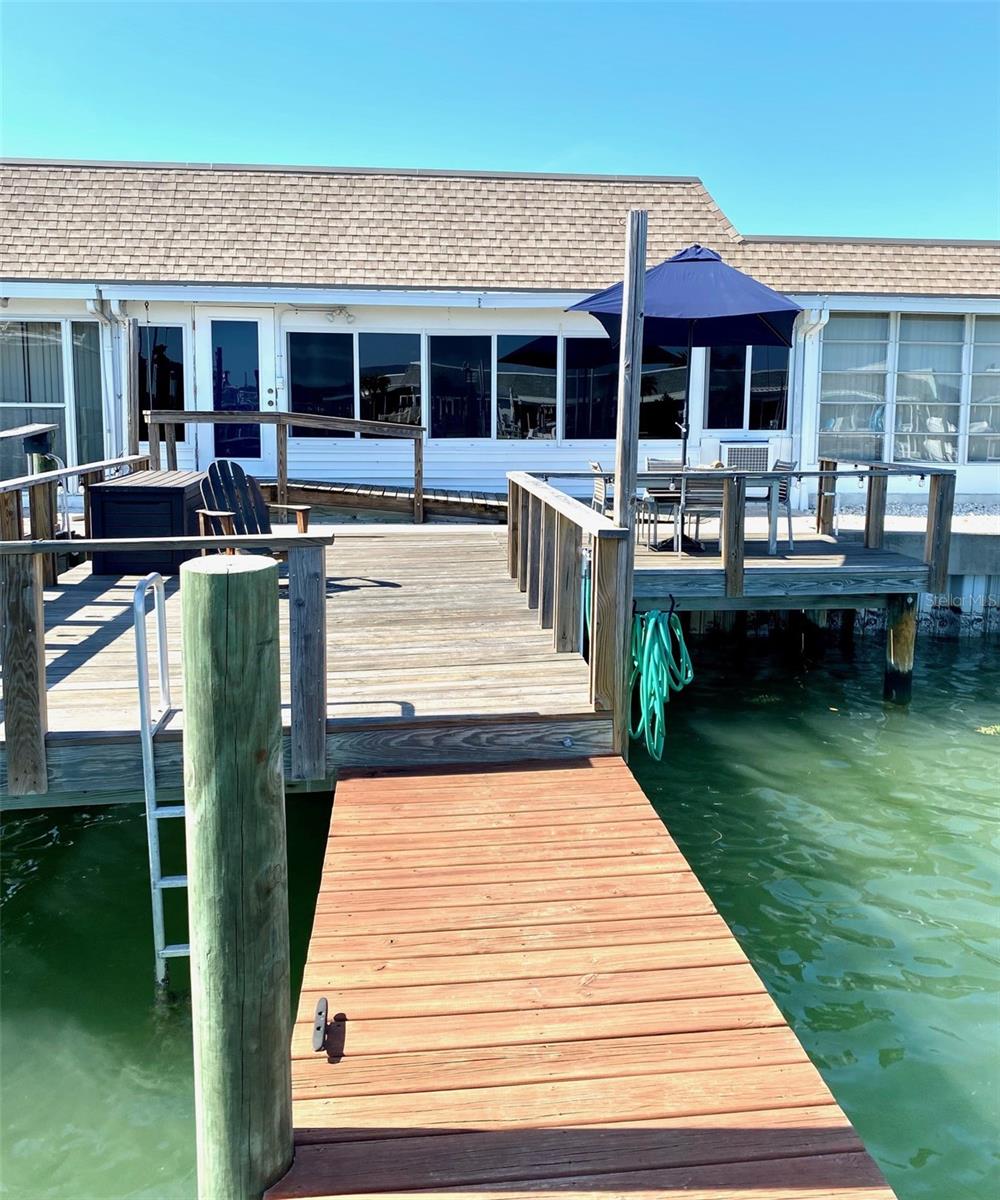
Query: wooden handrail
22, 642
237, 541
158, 416
283, 421
588, 519
107, 464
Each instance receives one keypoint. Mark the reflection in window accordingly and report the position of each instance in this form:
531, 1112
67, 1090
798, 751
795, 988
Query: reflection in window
526, 387
726, 387
87, 398
928, 388
235, 386
768, 407
736, 400
321, 378
591, 388
31, 387
664, 380
853, 387
984, 416
161, 373
389, 367
460, 378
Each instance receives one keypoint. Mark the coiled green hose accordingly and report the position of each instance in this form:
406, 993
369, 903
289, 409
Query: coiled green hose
661, 664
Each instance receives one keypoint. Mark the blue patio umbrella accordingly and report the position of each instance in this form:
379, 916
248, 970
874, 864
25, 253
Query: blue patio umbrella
696, 299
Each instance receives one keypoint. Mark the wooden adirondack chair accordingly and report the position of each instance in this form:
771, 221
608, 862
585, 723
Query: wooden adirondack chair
234, 504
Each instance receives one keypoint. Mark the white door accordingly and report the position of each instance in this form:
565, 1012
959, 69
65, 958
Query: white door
234, 348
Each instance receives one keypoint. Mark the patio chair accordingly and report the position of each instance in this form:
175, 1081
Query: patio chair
700, 497
784, 494
600, 500
665, 499
234, 504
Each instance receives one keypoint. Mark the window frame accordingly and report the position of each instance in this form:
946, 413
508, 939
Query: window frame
68, 405
744, 429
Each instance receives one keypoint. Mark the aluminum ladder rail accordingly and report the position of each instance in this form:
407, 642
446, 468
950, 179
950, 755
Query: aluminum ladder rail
148, 727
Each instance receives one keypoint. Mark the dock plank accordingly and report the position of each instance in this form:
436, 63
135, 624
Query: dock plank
582, 1024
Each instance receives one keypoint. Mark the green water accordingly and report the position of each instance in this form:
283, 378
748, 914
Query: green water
853, 850
96, 1084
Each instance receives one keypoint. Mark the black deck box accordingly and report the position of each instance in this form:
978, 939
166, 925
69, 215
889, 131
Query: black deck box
145, 504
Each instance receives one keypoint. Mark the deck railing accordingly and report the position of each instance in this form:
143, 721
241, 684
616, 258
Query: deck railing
41, 489
163, 427
546, 528
22, 643
940, 506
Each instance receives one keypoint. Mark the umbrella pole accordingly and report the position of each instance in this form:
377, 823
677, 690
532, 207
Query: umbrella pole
687, 398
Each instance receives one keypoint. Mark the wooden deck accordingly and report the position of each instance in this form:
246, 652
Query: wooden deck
535, 995
820, 572
432, 657
432, 654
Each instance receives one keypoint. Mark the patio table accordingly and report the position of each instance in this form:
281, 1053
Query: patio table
664, 484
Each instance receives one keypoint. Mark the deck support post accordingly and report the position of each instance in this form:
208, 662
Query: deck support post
418, 479
607, 647
900, 638
154, 444
281, 434
566, 602
627, 457
734, 499
878, 491
523, 528
237, 875
23, 659
826, 498
170, 440
42, 514
534, 548
547, 567
513, 526
307, 651
937, 543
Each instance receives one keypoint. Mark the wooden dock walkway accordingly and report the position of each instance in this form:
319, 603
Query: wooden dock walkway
536, 995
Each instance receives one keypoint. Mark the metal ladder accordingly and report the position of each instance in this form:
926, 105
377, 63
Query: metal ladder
148, 726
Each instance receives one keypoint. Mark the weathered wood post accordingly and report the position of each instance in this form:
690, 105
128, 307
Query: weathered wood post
237, 874
418, 479
627, 455
22, 653
900, 638
734, 499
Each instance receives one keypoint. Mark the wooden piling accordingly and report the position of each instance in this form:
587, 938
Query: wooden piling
900, 638
237, 874
22, 652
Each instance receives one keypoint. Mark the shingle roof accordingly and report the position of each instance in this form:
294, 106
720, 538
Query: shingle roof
296, 226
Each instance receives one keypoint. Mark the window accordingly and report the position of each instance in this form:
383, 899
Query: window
984, 414
321, 378
236, 386
928, 388
87, 398
31, 387
591, 388
747, 388
853, 387
526, 387
161, 373
389, 372
461, 371
664, 381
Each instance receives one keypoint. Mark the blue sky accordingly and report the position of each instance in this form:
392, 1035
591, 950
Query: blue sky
801, 118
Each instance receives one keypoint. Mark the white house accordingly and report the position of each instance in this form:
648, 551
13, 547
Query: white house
439, 297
